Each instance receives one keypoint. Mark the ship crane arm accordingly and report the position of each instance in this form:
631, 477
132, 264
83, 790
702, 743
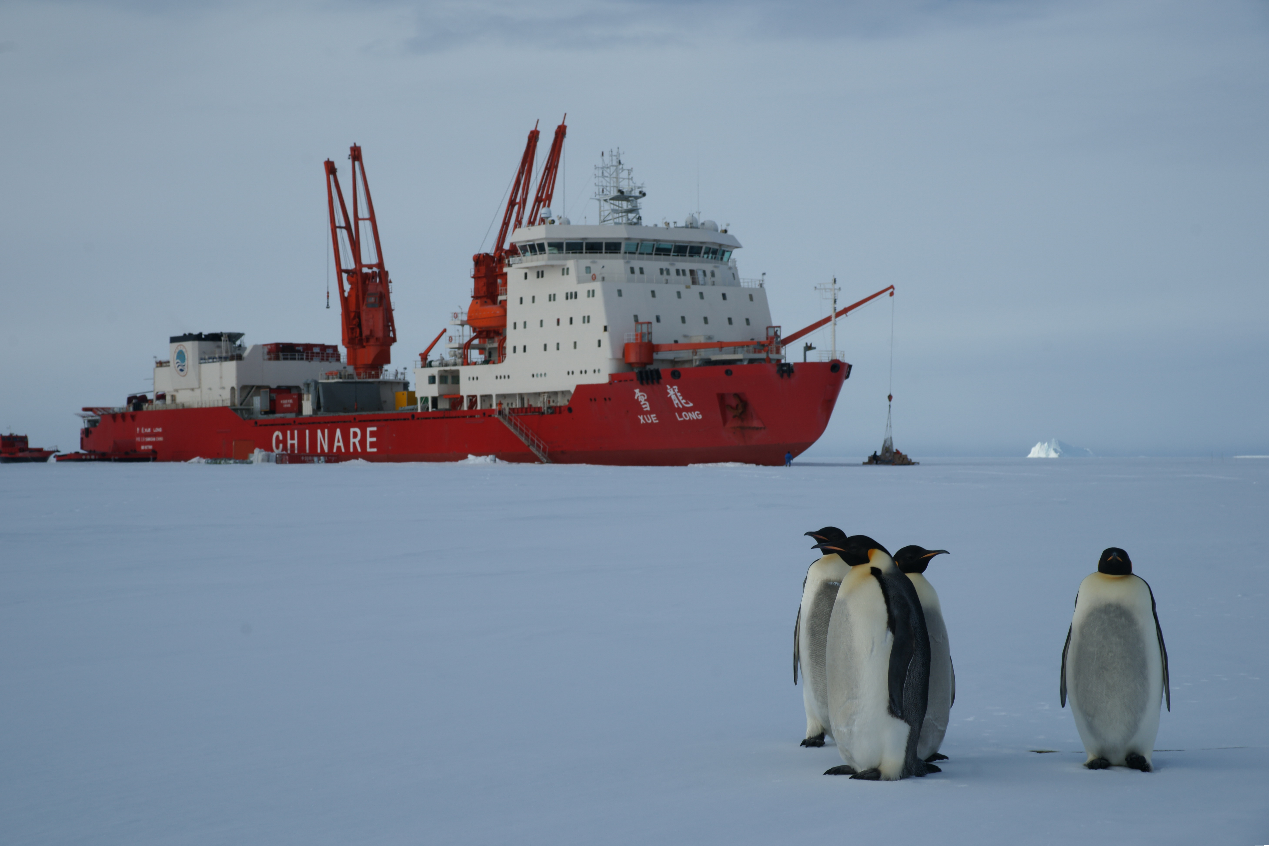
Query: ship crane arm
365, 291
546, 182
788, 339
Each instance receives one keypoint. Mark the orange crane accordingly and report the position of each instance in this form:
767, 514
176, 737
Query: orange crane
365, 304
487, 314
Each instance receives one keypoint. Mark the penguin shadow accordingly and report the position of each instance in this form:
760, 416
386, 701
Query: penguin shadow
1134, 762
821, 741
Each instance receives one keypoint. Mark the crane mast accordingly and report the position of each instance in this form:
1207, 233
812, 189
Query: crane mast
487, 314
365, 291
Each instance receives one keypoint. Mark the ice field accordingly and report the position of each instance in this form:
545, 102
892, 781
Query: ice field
476, 653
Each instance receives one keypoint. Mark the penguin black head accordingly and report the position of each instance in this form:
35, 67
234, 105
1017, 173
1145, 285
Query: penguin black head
853, 550
914, 559
828, 533
1115, 562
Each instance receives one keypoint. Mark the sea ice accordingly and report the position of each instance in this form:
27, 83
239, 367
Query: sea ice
410, 653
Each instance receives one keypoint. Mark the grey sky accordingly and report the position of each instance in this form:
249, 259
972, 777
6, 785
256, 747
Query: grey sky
1071, 198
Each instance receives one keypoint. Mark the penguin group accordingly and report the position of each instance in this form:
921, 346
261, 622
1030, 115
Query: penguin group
876, 669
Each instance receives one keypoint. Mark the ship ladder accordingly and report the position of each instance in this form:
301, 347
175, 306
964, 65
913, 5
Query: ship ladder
532, 441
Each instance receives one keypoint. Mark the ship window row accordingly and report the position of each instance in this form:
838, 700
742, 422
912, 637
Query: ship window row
628, 248
683, 320
517, 349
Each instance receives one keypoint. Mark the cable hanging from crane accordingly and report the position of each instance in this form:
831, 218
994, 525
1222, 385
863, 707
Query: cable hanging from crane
888, 454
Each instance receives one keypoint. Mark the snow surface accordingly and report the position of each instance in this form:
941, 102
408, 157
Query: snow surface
1058, 449
545, 654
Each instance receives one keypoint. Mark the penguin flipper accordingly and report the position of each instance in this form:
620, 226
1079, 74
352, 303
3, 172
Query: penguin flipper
953, 668
1163, 650
797, 625
904, 647
1065, 649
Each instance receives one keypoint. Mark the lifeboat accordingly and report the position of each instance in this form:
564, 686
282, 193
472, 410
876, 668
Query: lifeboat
487, 316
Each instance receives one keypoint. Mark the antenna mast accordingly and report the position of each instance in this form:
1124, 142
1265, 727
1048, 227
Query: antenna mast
830, 292
616, 191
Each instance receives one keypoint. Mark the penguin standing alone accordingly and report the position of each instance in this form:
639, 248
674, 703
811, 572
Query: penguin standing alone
878, 663
912, 561
1115, 666
810, 634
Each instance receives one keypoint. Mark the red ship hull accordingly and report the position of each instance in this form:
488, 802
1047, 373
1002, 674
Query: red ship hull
751, 413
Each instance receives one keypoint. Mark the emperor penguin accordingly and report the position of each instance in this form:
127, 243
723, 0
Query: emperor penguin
810, 634
913, 560
1115, 666
878, 664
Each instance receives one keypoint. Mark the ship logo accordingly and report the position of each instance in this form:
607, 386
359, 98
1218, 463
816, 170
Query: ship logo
677, 398
181, 361
642, 398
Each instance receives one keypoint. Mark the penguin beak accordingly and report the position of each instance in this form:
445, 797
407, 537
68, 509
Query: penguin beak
935, 552
828, 546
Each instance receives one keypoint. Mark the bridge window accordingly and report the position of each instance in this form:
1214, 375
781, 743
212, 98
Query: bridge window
664, 249
612, 246
680, 249
573, 246
693, 252
594, 247
554, 247
630, 247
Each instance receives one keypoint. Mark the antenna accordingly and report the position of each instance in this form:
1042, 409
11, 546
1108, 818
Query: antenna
829, 292
616, 192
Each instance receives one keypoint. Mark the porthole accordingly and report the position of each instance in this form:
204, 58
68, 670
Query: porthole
835, 367
727, 372
674, 374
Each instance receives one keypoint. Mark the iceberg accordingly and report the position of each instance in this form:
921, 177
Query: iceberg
1058, 449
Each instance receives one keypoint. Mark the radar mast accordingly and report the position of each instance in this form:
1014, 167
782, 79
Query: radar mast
616, 191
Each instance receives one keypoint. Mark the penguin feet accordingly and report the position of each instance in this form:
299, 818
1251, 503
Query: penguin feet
1138, 762
1098, 764
937, 756
815, 740
869, 775
841, 769
930, 768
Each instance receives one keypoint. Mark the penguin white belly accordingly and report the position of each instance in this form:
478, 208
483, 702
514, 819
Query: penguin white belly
817, 609
1114, 669
858, 664
942, 684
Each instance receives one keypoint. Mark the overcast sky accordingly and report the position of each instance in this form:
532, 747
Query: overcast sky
1072, 199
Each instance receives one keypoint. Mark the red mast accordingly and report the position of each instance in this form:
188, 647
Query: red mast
365, 307
487, 314
546, 182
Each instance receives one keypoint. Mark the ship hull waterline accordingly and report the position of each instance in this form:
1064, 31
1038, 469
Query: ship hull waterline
754, 414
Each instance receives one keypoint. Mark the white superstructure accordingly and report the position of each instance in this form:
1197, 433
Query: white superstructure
574, 294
